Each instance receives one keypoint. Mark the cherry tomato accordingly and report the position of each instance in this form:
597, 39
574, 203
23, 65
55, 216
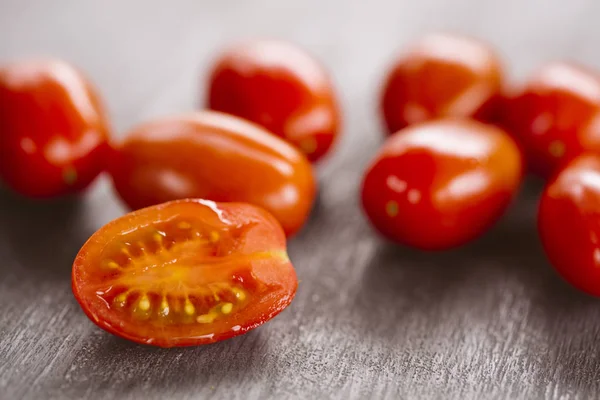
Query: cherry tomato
213, 156
441, 76
556, 116
440, 184
186, 272
569, 222
281, 87
53, 128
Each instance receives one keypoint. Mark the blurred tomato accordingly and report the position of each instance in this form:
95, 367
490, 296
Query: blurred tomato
213, 156
53, 129
280, 87
440, 184
569, 223
556, 116
442, 75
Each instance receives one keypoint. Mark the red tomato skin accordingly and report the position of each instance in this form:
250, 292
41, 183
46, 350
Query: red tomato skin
214, 156
442, 75
555, 115
54, 129
569, 222
440, 184
269, 232
281, 87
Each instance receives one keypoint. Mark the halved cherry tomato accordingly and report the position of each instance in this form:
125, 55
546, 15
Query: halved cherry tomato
441, 76
184, 273
53, 130
569, 223
213, 156
556, 116
440, 184
281, 87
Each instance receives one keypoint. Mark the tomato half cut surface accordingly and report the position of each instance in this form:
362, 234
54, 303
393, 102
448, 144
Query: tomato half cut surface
186, 272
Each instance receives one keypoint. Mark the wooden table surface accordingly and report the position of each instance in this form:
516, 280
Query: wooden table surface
370, 320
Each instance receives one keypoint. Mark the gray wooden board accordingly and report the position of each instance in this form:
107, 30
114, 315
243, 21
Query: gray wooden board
371, 320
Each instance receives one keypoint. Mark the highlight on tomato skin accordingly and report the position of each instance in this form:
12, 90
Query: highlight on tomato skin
569, 222
441, 184
442, 75
187, 272
555, 115
54, 129
280, 86
214, 156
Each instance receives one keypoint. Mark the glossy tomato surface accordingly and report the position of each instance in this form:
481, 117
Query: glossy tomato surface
440, 184
184, 273
53, 130
281, 87
213, 156
442, 75
569, 223
556, 116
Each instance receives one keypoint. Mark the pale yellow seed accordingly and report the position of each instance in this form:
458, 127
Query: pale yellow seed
112, 264
122, 298
164, 307
239, 294
214, 236
226, 308
158, 238
184, 225
206, 318
144, 303
189, 308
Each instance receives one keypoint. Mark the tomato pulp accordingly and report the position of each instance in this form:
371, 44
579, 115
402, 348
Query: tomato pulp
213, 156
183, 273
440, 184
281, 87
53, 128
569, 223
442, 76
556, 116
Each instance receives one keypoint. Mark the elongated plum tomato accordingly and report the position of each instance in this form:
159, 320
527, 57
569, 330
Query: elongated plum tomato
183, 273
556, 116
53, 130
281, 87
440, 184
569, 222
213, 156
442, 75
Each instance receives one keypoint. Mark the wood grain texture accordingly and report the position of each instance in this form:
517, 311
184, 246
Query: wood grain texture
371, 320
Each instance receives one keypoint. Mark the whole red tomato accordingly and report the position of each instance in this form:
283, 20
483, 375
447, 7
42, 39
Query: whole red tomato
556, 116
569, 222
281, 87
185, 273
442, 75
213, 156
53, 130
440, 184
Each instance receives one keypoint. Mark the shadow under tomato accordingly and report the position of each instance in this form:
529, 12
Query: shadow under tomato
509, 251
104, 359
39, 239
503, 276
